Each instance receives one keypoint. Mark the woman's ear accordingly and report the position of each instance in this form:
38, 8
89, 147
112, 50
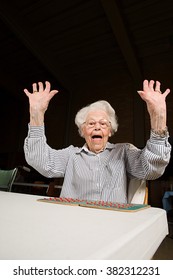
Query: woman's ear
81, 132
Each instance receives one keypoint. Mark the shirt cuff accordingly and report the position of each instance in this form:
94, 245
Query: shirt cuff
156, 138
36, 131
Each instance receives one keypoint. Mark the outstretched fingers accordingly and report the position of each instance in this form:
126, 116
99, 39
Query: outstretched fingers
157, 87
149, 86
39, 88
48, 89
47, 86
34, 87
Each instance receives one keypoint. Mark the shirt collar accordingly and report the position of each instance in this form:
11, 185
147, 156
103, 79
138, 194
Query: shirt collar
109, 146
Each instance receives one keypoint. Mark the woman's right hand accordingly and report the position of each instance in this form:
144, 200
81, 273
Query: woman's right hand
39, 100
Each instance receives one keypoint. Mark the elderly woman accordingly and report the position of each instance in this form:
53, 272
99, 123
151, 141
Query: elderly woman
99, 169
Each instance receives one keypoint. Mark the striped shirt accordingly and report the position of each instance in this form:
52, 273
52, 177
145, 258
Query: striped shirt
101, 176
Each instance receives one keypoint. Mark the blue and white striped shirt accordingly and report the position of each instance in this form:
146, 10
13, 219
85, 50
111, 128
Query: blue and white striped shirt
100, 176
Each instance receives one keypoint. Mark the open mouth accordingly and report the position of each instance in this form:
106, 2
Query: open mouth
96, 137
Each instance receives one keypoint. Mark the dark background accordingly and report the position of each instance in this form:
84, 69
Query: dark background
88, 50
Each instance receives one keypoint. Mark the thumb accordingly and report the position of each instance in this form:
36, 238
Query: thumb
140, 92
166, 92
26, 92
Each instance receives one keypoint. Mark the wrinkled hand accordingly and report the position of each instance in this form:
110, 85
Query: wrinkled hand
154, 98
40, 98
156, 104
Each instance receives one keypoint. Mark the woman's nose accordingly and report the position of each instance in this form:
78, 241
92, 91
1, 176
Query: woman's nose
97, 125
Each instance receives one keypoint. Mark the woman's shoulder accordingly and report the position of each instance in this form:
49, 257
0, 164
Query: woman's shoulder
121, 145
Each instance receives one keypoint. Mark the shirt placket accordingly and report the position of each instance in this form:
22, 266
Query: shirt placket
97, 176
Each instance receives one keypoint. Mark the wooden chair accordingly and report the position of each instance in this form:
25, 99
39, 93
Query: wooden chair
7, 178
54, 188
137, 191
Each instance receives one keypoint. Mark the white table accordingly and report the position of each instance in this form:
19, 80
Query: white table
36, 230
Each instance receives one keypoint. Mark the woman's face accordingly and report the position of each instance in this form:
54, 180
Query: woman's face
96, 130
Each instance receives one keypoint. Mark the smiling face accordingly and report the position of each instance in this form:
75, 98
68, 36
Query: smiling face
96, 130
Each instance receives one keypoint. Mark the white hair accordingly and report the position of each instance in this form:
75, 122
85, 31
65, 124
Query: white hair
98, 105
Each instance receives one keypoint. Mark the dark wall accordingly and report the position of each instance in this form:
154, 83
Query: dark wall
10, 123
14, 119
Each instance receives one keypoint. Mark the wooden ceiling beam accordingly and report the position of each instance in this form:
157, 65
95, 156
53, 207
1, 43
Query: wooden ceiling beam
118, 27
121, 35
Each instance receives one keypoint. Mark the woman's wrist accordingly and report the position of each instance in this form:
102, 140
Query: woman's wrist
36, 118
158, 121
161, 132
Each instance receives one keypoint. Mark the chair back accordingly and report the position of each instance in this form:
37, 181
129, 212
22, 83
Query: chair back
7, 178
137, 191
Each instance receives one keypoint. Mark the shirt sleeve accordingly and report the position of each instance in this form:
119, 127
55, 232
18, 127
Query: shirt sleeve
38, 154
150, 162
